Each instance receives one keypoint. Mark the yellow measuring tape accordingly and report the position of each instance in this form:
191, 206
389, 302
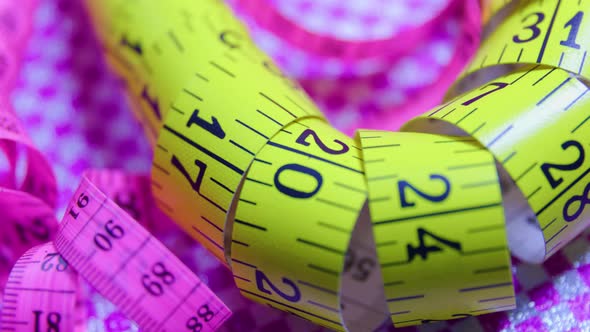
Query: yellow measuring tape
347, 232
489, 8
553, 33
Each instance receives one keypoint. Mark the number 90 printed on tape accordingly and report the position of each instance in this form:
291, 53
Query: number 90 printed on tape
103, 245
346, 232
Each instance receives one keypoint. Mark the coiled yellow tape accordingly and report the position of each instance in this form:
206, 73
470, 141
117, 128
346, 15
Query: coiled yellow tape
348, 232
553, 33
489, 8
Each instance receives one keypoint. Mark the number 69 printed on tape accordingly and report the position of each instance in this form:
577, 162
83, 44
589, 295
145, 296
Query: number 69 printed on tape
103, 245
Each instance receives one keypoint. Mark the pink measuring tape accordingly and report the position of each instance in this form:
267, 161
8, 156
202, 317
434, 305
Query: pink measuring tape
344, 50
323, 50
102, 243
97, 241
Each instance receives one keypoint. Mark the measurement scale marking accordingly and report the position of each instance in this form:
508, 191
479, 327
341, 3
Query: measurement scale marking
289, 306
337, 205
580, 124
405, 298
558, 232
342, 185
245, 223
269, 117
277, 104
229, 73
467, 166
321, 246
190, 93
207, 238
221, 185
499, 136
204, 150
554, 90
323, 306
426, 215
576, 100
546, 39
323, 269
494, 308
252, 129
477, 288
544, 76
175, 41
381, 146
526, 73
582, 62
238, 145
496, 299
525, 172
563, 192
483, 251
284, 147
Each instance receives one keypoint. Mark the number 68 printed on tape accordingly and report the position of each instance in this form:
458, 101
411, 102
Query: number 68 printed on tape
103, 245
346, 232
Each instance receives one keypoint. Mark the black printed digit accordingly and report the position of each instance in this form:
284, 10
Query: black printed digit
205, 313
361, 267
81, 203
579, 161
37, 230
296, 193
262, 280
49, 264
153, 102
497, 85
534, 29
51, 322
213, 127
302, 139
111, 232
195, 184
404, 186
574, 24
154, 286
230, 38
579, 202
423, 250
135, 47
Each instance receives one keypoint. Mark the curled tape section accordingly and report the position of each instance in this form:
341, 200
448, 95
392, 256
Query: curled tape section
142, 277
436, 227
553, 33
544, 181
41, 293
27, 202
120, 259
413, 227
